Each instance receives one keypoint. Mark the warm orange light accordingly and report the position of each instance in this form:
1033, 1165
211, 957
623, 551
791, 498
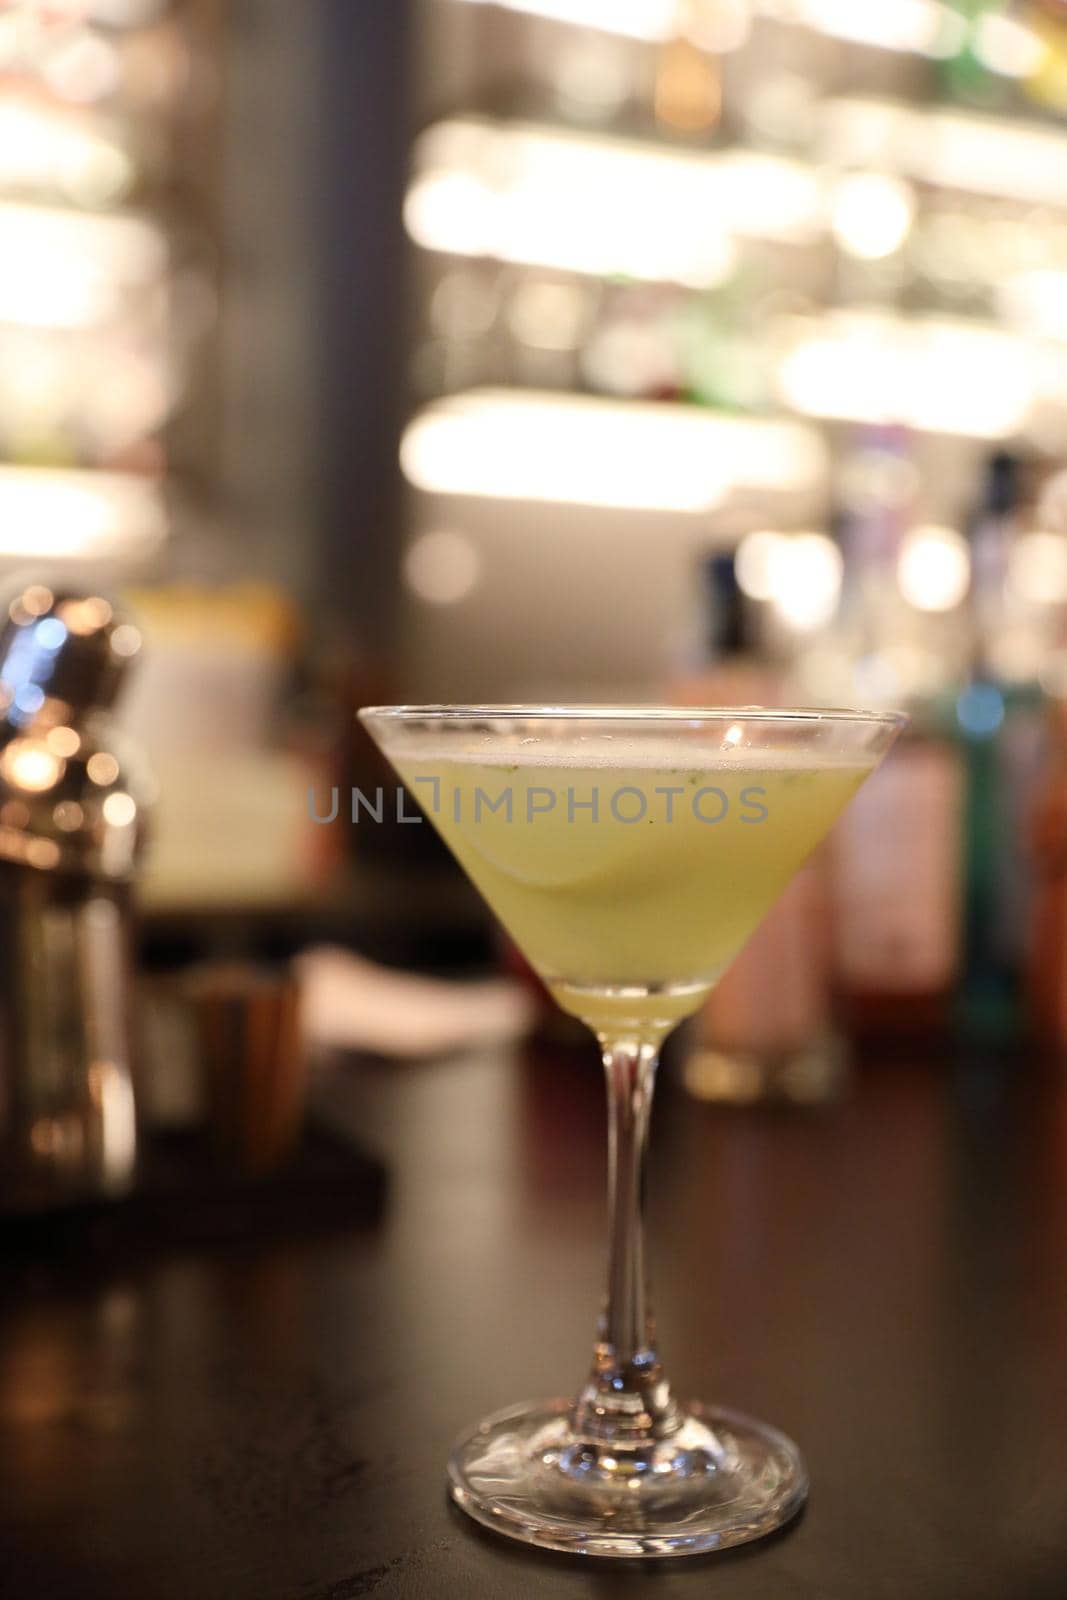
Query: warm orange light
28, 764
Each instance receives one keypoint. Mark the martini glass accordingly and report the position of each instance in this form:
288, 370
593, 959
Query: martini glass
630, 853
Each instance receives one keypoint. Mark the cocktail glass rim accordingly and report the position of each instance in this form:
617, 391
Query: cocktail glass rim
636, 713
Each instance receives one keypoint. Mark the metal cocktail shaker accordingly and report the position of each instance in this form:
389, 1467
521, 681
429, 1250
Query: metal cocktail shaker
71, 825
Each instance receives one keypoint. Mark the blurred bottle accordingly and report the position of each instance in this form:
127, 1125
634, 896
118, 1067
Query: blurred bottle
764, 1032
595, 77
688, 93
547, 321
723, 348
968, 69
1046, 838
879, 480
719, 656
896, 868
633, 347
233, 825
897, 888
650, 342
1000, 727
996, 54
1045, 82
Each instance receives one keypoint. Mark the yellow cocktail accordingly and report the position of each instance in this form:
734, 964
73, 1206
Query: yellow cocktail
631, 882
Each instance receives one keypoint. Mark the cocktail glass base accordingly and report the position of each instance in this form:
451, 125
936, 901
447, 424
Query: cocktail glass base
722, 1479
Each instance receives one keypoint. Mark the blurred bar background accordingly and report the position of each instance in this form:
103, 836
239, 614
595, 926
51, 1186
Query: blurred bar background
700, 351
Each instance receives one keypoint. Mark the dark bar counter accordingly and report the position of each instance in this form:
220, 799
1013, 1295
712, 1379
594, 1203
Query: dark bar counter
268, 1418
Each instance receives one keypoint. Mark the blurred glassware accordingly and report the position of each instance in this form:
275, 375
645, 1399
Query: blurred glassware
864, 251
765, 1031
635, 351
104, 267
687, 95
1001, 726
988, 42
1046, 842
780, 110
464, 303
253, 1061
722, 659
594, 78
895, 855
1046, 84
548, 315
897, 907
234, 824
72, 806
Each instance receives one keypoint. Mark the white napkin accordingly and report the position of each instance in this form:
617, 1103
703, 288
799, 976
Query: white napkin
352, 1004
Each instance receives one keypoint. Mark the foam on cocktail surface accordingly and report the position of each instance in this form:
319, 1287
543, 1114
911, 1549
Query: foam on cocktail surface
695, 754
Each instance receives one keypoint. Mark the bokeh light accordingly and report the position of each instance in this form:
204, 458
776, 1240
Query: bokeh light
442, 567
934, 568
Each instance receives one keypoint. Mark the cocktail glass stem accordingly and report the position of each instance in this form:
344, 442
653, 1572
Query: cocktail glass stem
626, 1404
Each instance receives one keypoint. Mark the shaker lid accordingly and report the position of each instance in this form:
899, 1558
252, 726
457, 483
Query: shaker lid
67, 801
62, 654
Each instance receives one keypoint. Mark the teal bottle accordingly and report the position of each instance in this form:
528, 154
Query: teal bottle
999, 724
